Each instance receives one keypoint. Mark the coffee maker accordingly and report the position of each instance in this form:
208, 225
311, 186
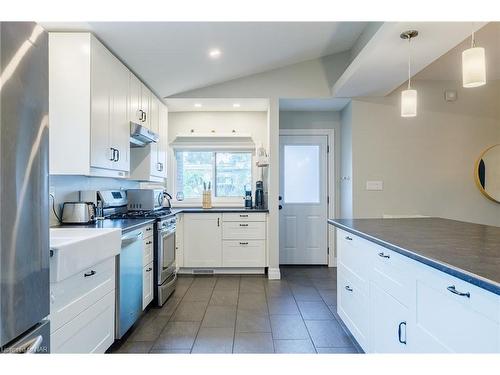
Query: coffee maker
259, 195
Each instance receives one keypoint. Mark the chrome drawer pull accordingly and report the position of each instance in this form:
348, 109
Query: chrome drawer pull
454, 290
243, 225
149, 269
384, 255
243, 215
88, 274
148, 243
348, 238
348, 288
243, 243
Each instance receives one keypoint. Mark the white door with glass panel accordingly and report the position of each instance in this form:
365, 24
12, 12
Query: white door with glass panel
303, 199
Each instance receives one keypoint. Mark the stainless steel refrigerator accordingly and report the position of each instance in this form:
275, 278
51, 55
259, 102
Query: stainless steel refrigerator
24, 227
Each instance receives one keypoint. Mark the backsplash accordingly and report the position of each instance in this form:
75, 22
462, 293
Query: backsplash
66, 188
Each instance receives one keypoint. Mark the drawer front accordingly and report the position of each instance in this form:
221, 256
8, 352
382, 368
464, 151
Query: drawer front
447, 322
244, 216
148, 251
76, 293
148, 231
243, 231
392, 272
251, 253
352, 304
354, 253
147, 285
92, 331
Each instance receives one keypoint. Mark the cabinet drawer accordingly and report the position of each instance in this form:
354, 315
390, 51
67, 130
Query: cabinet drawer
92, 331
76, 293
147, 285
148, 251
393, 273
251, 253
354, 253
234, 230
352, 304
244, 216
447, 321
148, 231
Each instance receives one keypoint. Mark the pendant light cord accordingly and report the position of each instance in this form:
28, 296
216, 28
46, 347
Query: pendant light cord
409, 63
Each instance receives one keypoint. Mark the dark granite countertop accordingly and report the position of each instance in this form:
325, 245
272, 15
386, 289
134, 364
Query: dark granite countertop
179, 210
126, 225
468, 251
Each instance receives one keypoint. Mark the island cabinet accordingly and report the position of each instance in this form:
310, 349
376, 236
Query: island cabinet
394, 304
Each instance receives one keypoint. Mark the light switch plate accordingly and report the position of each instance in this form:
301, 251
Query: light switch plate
375, 185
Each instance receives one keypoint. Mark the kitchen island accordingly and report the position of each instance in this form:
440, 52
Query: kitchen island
420, 284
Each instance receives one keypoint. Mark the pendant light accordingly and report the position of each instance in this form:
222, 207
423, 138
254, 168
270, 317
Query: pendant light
473, 65
409, 96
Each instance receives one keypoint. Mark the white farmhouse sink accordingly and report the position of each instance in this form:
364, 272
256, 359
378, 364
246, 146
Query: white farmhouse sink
76, 249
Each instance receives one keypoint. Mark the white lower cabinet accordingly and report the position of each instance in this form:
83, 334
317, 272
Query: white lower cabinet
411, 307
202, 240
147, 285
228, 240
82, 311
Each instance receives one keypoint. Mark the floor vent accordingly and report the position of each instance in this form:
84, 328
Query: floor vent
203, 272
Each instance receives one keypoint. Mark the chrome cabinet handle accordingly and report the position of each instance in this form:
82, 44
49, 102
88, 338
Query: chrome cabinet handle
218, 222
348, 288
145, 116
142, 114
88, 274
243, 243
382, 255
149, 269
112, 157
148, 229
454, 290
117, 154
149, 243
348, 238
243, 215
400, 331
243, 225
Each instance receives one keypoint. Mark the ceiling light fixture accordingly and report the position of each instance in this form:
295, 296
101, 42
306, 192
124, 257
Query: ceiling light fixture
473, 65
214, 53
236, 105
409, 96
197, 105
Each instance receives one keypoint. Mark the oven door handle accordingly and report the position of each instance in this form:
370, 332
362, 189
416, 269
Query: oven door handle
166, 232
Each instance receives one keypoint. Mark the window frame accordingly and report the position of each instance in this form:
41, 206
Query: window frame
236, 201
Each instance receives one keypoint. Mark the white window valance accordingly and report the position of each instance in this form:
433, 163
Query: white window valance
214, 142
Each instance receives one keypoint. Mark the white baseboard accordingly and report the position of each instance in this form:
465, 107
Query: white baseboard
273, 274
221, 271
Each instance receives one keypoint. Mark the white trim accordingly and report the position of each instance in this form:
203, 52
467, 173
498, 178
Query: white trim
222, 270
330, 133
273, 273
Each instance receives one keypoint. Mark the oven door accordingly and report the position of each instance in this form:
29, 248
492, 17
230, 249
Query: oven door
166, 254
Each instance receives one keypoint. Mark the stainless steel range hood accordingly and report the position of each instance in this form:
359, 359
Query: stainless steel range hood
141, 136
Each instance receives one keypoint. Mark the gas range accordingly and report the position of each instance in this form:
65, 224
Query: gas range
154, 214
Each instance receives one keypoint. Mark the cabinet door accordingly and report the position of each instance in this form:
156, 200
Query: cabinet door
202, 240
390, 323
134, 99
147, 285
119, 124
163, 143
154, 125
146, 97
100, 149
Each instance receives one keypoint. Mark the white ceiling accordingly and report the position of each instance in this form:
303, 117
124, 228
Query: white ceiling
172, 57
382, 65
313, 104
449, 66
217, 105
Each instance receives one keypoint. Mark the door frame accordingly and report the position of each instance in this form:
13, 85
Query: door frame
330, 178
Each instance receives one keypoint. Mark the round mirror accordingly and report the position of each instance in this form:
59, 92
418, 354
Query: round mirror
487, 173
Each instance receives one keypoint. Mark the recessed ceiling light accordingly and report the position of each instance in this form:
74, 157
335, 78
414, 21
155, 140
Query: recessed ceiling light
214, 53
197, 105
236, 105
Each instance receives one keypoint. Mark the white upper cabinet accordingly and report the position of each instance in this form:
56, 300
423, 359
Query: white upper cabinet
139, 102
88, 99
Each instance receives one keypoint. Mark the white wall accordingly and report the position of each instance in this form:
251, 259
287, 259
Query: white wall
253, 123
426, 162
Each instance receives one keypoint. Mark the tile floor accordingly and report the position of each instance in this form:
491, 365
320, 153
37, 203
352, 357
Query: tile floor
246, 314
